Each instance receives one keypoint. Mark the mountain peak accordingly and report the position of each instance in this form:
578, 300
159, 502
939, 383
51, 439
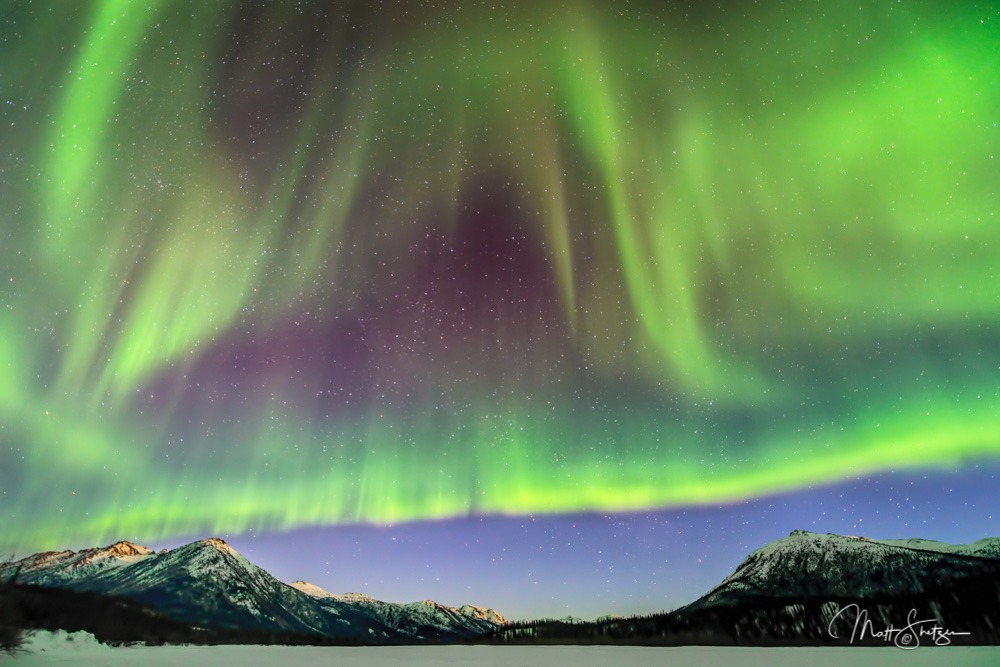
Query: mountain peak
125, 548
851, 566
207, 583
114, 555
218, 544
310, 589
491, 615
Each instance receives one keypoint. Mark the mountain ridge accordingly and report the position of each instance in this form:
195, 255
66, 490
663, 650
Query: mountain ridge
807, 589
788, 592
808, 564
207, 582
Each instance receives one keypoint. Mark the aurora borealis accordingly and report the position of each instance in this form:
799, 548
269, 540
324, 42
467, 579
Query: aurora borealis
271, 266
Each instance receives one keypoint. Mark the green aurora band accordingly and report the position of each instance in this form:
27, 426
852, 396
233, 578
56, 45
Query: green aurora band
723, 255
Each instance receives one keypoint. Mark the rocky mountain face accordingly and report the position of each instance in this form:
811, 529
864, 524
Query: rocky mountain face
806, 565
813, 589
208, 583
426, 618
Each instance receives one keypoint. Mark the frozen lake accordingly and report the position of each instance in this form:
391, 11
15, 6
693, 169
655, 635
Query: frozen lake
77, 649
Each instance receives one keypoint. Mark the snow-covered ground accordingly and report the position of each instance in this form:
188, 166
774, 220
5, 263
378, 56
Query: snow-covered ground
81, 649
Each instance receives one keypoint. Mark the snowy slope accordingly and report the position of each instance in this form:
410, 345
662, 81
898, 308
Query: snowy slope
426, 619
62, 567
806, 564
208, 583
985, 548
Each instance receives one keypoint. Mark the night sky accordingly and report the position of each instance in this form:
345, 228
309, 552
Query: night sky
555, 307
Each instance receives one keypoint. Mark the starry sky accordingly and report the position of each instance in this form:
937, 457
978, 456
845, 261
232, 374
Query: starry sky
558, 307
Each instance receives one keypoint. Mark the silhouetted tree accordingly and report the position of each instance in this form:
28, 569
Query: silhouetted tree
11, 620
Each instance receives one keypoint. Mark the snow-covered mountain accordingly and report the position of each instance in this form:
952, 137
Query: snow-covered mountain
54, 568
811, 589
985, 548
424, 619
209, 583
811, 565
